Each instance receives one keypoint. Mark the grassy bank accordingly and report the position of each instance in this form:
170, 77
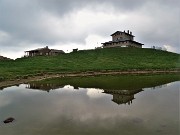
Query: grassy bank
122, 59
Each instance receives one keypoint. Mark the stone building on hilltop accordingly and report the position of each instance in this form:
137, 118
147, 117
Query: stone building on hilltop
122, 39
4, 58
43, 52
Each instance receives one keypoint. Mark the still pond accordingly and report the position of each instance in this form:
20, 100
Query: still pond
101, 105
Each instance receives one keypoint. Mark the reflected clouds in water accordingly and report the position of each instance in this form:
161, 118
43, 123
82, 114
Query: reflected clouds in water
65, 110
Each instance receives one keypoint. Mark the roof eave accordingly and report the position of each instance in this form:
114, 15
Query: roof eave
122, 32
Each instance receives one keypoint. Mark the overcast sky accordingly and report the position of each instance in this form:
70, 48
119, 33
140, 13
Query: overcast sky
84, 24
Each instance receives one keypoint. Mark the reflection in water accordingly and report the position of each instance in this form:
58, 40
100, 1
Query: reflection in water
83, 106
122, 96
45, 87
122, 88
159, 86
119, 96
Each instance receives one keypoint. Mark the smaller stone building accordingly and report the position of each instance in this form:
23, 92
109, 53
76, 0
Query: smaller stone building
122, 39
4, 58
43, 52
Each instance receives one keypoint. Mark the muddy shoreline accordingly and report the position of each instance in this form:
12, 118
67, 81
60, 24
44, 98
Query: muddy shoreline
89, 73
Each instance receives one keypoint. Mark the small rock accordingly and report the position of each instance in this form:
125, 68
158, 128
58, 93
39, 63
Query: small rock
8, 120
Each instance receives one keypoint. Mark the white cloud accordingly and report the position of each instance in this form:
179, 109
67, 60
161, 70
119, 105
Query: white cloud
95, 93
169, 48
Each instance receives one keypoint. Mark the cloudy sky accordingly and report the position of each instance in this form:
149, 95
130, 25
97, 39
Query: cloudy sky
85, 24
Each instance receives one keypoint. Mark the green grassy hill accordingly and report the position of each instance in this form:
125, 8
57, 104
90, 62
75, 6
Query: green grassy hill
91, 60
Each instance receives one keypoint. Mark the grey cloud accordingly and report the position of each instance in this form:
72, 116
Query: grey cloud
26, 21
63, 6
163, 12
22, 20
163, 29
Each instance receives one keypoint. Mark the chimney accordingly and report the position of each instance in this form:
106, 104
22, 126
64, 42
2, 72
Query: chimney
128, 31
46, 46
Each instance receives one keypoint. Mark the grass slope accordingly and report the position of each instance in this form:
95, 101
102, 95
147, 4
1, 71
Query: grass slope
91, 60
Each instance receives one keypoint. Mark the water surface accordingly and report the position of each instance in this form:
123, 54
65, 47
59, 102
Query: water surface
102, 105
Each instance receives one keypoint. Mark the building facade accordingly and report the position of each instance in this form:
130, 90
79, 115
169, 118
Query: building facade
122, 39
43, 52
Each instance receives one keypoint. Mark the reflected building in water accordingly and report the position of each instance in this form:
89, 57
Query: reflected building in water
45, 87
122, 88
123, 96
119, 96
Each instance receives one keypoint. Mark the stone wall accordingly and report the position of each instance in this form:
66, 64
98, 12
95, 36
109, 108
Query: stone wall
122, 44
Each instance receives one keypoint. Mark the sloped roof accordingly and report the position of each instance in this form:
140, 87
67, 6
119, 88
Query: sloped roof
118, 32
39, 49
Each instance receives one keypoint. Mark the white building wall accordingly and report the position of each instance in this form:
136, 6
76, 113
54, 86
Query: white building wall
121, 37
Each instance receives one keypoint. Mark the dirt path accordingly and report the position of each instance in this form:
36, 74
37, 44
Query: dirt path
90, 73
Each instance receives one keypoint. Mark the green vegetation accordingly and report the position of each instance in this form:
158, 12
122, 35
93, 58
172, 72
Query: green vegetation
123, 59
111, 82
